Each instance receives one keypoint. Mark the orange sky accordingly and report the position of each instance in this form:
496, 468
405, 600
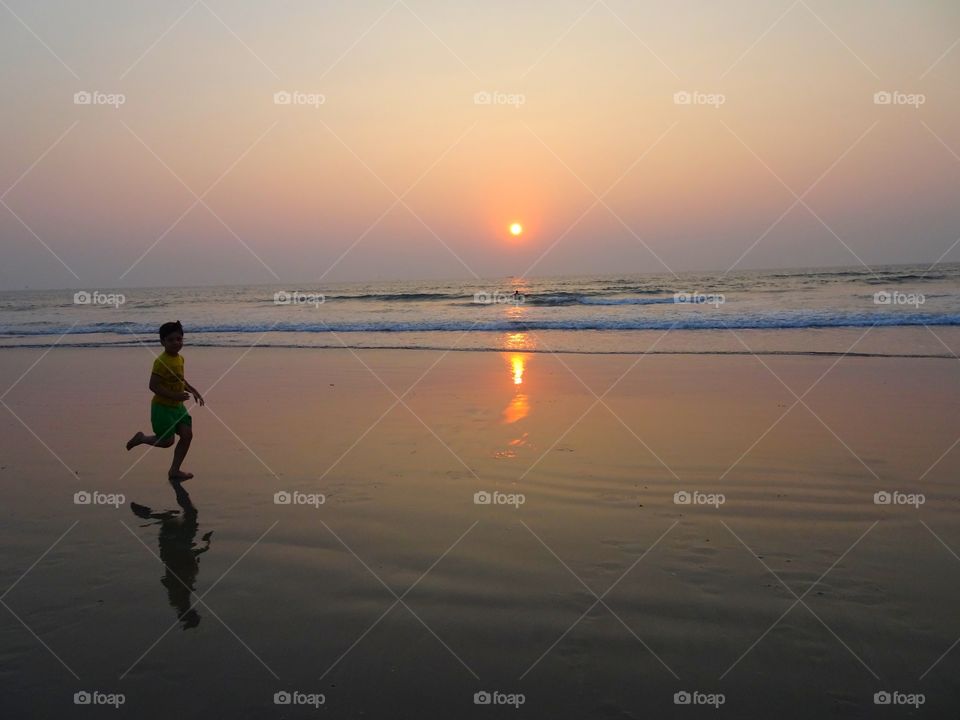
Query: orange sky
582, 103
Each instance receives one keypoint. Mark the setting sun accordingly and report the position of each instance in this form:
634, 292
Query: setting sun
516, 229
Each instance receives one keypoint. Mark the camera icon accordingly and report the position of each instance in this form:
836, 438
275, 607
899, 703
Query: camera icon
82, 98
682, 698
482, 498
282, 498
482, 98
482, 698
282, 698
682, 98
681, 497
882, 97
482, 298
82, 698
282, 297
682, 297
82, 298
882, 498
882, 698
884, 297
82, 498
282, 98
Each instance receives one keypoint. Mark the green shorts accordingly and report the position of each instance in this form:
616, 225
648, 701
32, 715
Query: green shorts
165, 418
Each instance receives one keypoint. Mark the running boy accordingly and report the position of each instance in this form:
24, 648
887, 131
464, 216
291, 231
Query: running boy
168, 416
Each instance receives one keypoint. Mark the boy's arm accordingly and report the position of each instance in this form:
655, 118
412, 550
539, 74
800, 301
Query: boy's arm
156, 387
196, 393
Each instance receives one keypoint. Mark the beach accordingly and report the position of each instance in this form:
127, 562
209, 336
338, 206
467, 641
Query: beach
548, 360
579, 535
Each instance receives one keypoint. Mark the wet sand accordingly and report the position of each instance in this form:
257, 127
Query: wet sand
493, 597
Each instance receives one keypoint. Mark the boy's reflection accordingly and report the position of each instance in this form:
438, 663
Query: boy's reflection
179, 553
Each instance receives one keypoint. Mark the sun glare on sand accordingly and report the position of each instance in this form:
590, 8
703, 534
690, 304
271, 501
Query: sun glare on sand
516, 229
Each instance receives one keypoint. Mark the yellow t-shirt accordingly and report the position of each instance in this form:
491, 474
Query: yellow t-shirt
170, 370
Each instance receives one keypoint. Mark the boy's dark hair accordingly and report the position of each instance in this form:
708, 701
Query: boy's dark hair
170, 327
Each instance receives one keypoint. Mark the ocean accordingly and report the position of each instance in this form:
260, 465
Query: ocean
791, 311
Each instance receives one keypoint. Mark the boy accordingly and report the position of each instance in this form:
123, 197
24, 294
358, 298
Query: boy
168, 416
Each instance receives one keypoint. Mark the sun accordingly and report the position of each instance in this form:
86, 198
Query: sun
516, 229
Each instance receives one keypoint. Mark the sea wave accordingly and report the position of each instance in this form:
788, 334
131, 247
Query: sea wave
626, 301
556, 298
886, 278
399, 297
563, 299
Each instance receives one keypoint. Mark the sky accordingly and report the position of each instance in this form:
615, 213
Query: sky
623, 136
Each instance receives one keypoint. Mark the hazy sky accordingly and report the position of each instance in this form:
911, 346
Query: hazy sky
583, 106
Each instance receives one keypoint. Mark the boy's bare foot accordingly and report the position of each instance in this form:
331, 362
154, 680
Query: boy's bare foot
134, 441
180, 476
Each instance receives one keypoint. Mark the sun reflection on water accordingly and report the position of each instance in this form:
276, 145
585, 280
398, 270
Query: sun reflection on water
519, 406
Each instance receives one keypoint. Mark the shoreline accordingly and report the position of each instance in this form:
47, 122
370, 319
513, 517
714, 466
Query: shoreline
873, 341
531, 351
